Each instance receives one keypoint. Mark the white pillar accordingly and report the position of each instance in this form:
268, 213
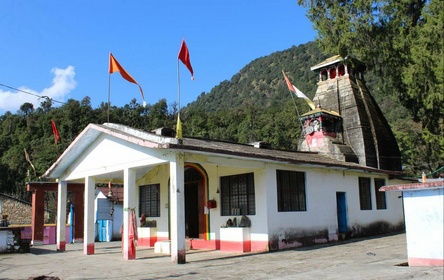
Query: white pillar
88, 221
177, 209
61, 215
129, 202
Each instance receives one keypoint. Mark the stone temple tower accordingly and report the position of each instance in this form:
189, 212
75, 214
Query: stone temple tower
348, 124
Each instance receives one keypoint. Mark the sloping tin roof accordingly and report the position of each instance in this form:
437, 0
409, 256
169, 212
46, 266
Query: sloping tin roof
321, 111
328, 61
436, 184
151, 140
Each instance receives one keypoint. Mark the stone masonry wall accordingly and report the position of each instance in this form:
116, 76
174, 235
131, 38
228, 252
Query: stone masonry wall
19, 212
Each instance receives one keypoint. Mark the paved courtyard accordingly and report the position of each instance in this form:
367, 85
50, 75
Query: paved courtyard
375, 258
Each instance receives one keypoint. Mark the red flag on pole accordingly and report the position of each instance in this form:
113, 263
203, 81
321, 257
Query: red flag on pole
298, 93
55, 131
184, 56
114, 66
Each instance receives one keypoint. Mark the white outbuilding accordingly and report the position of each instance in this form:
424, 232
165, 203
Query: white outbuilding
423, 207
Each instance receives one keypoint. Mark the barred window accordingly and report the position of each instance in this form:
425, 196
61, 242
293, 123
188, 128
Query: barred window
237, 195
365, 197
381, 202
149, 200
291, 191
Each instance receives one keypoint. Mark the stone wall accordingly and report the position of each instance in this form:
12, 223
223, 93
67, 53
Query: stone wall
19, 212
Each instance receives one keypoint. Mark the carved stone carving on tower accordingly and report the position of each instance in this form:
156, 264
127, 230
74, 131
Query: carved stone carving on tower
343, 98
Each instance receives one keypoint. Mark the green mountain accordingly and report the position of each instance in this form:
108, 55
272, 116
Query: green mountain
261, 81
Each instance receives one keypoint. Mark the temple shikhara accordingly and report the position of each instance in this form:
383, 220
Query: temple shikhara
347, 123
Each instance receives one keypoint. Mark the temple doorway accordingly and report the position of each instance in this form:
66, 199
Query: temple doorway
195, 193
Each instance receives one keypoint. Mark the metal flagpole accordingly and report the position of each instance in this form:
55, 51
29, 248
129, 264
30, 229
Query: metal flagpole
297, 111
178, 85
179, 122
109, 84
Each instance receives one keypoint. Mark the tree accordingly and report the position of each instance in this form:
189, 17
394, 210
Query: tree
159, 114
46, 104
26, 108
402, 43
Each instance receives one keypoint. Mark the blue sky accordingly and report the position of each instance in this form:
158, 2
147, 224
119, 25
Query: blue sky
61, 49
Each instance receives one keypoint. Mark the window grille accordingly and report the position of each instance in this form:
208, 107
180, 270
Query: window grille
365, 197
291, 191
381, 202
149, 200
237, 195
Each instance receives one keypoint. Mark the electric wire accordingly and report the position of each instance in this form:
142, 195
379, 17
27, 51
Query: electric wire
33, 94
436, 171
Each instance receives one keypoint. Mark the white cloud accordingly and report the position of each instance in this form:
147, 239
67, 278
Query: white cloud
62, 84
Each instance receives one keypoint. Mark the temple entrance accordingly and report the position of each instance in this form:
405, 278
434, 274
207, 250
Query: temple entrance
191, 211
195, 221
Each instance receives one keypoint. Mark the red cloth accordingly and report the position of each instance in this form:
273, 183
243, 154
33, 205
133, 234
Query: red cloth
184, 56
133, 226
55, 131
132, 234
289, 85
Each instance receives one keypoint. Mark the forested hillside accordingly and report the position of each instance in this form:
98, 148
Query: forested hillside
254, 105
261, 81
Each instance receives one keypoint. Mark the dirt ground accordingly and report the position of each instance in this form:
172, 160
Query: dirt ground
382, 257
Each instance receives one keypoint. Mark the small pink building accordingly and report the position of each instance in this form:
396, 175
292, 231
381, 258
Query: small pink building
423, 208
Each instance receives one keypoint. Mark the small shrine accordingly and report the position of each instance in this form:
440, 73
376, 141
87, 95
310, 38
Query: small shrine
323, 133
319, 123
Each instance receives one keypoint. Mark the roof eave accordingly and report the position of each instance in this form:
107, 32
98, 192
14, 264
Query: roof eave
285, 160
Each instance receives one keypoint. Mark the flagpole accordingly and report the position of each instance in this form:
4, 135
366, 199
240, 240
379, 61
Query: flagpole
179, 123
294, 101
178, 85
109, 85
183, 56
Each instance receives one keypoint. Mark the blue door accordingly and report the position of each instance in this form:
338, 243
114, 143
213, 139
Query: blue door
102, 230
341, 205
105, 231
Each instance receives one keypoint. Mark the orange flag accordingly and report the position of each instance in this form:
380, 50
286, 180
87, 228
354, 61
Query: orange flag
55, 131
114, 66
184, 56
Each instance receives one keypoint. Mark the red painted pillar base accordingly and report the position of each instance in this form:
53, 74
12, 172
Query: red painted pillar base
61, 246
425, 262
130, 252
89, 250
